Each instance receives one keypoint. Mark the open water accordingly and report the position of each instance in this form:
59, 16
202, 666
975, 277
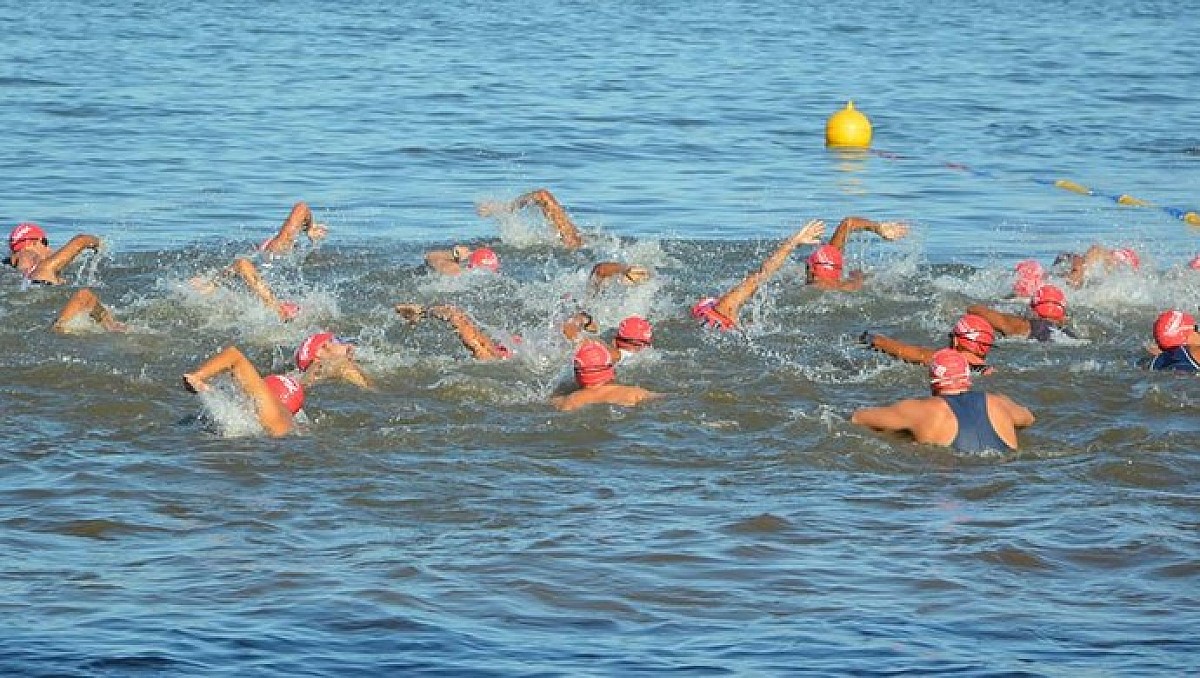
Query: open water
450, 522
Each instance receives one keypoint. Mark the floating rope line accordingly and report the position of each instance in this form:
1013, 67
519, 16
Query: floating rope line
1191, 217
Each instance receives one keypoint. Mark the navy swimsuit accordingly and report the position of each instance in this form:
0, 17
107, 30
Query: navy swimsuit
1177, 359
975, 430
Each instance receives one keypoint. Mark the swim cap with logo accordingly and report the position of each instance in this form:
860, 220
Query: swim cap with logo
1173, 328
485, 258
1049, 302
1126, 256
306, 352
949, 371
825, 263
593, 364
975, 334
287, 390
634, 333
23, 235
1030, 276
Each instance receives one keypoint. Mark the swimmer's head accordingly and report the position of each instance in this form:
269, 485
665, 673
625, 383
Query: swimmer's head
1050, 303
593, 364
1173, 329
636, 275
701, 308
949, 372
973, 333
311, 348
287, 390
825, 263
25, 235
1030, 276
1126, 256
634, 333
484, 258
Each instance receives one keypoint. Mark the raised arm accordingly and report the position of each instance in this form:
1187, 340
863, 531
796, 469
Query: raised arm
551, 209
888, 230
86, 301
299, 220
271, 413
1005, 323
49, 268
730, 304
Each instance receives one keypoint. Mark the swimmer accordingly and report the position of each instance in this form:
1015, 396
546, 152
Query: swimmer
972, 336
550, 207
1077, 268
245, 269
825, 262
481, 346
323, 356
1029, 277
633, 334
595, 375
1049, 306
85, 302
954, 416
277, 398
460, 257
722, 313
300, 219
32, 256
1177, 343
607, 272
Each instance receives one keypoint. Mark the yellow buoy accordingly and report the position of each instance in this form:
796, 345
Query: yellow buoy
848, 128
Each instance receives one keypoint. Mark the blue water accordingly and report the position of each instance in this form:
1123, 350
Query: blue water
451, 523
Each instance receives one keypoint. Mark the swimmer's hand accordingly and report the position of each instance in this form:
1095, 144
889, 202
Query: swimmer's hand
317, 231
288, 310
194, 384
410, 312
203, 285
867, 338
892, 230
491, 208
443, 312
810, 233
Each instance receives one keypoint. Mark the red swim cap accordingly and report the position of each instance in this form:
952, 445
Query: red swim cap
949, 371
1127, 256
287, 390
485, 258
1030, 276
1049, 302
23, 234
825, 263
1173, 328
634, 333
975, 334
306, 352
593, 364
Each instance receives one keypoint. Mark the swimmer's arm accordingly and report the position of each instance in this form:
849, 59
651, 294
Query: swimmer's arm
605, 271
574, 327
300, 219
50, 267
888, 230
555, 213
246, 270
898, 349
86, 301
1021, 415
1004, 323
898, 416
443, 261
479, 344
